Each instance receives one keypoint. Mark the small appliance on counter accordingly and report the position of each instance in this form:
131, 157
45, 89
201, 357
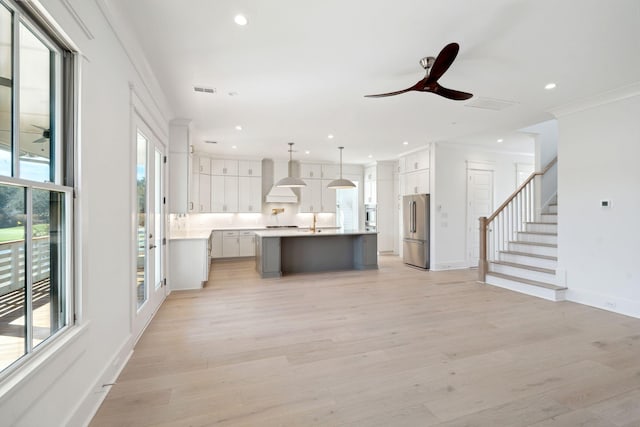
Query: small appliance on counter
415, 239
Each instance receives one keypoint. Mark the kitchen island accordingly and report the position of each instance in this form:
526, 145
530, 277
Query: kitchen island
280, 252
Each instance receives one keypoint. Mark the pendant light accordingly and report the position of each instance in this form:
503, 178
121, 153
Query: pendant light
290, 181
341, 183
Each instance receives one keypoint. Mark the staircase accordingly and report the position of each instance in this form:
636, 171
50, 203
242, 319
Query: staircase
519, 243
528, 262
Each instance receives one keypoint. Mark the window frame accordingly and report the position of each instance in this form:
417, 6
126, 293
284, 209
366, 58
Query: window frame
63, 119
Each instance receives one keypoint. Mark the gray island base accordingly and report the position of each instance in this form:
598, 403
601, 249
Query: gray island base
281, 252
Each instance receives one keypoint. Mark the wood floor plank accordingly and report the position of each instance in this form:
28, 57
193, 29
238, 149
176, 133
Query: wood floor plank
395, 346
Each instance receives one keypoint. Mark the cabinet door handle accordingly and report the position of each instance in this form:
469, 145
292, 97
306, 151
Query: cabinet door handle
224, 171
250, 171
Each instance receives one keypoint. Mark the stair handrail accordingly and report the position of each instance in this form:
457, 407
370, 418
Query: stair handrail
485, 221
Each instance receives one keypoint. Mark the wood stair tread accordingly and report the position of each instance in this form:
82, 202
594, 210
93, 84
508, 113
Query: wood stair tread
521, 242
526, 281
539, 233
549, 257
525, 267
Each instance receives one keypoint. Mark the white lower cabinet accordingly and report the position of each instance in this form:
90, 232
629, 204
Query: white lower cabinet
188, 263
233, 243
216, 244
230, 244
247, 243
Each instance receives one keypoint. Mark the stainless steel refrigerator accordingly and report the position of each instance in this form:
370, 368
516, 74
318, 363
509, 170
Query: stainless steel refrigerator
415, 214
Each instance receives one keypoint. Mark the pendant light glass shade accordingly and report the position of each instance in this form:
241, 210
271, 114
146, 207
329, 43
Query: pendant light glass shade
341, 183
291, 181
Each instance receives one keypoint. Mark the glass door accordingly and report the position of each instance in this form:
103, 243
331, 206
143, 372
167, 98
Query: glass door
149, 228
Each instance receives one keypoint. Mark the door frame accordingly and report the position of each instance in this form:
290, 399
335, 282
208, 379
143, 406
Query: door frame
471, 223
140, 317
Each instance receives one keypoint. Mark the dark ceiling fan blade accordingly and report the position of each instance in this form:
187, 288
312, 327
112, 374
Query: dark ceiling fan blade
39, 140
382, 95
456, 95
416, 86
443, 61
39, 127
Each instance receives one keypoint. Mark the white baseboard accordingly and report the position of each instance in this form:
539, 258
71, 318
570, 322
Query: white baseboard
452, 265
87, 407
605, 302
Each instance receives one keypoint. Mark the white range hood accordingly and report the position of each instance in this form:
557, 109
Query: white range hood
280, 194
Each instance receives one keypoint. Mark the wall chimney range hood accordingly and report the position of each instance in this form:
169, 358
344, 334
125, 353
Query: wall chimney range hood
280, 194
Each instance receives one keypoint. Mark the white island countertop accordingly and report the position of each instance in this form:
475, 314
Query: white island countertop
301, 232
189, 234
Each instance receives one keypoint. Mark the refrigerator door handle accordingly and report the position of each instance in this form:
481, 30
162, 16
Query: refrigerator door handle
415, 214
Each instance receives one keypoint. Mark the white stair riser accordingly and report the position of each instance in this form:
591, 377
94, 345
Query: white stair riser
541, 227
538, 238
524, 273
549, 218
536, 291
552, 209
527, 260
533, 249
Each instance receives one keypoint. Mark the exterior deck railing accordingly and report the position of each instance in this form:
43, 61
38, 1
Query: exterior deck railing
12, 263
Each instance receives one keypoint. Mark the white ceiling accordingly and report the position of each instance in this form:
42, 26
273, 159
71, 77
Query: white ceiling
301, 67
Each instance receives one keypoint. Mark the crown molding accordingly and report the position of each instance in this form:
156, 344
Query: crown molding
604, 98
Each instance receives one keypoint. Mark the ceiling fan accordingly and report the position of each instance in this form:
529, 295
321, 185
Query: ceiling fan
46, 134
435, 68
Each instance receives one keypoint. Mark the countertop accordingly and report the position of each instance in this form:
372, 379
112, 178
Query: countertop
199, 234
302, 232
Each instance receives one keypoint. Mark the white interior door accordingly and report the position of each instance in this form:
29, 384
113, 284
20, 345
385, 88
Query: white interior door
479, 203
149, 290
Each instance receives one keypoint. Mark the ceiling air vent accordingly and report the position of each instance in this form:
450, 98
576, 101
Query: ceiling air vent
210, 142
204, 89
490, 104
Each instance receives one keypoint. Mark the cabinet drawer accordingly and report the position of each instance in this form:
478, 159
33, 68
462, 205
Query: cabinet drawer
230, 233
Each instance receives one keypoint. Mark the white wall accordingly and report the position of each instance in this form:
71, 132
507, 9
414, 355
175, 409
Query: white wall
64, 387
449, 197
546, 136
599, 248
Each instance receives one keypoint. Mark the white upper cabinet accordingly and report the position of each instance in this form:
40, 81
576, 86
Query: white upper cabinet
311, 196
415, 161
249, 168
250, 194
416, 182
328, 197
330, 172
224, 194
370, 173
224, 167
204, 165
310, 171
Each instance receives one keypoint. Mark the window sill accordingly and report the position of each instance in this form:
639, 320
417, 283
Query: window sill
38, 360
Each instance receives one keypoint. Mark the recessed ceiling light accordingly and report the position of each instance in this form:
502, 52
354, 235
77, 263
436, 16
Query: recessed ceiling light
500, 140
238, 127
234, 147
370, 156
405, 143
307, 152
550, 86
330, 136
240, 20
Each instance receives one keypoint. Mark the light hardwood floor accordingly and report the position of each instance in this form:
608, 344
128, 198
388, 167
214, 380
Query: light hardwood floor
392, 347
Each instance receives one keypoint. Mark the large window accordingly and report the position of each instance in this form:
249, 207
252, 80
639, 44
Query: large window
35, 186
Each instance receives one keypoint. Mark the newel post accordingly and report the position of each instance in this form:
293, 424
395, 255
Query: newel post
482, 258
